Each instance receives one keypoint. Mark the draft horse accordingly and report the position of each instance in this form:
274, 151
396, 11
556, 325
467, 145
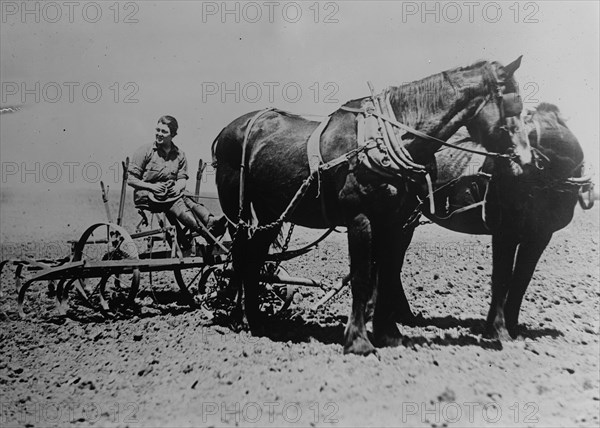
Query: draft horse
261, 163
521, 213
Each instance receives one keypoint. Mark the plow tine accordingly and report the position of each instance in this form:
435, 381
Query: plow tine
52, 288
66, 290
21, 297
332, 293
80, 286
58, 293
61, 296
103, 302
18, 277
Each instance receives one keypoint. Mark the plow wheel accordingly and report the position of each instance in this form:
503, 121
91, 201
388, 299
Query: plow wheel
110, 288
216, 287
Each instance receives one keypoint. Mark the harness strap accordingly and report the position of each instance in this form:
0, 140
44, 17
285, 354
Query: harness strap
293, 204
426, 136
243, 160
404, 154
313, 147
414, 217
463, 209
431, 194
402, 157
315, 160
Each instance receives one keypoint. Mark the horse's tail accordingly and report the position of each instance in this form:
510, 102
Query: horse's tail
227, 152
226, 160
213, 148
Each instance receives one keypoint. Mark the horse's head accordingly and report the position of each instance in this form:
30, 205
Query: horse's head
557, 150
483, 97
496, 122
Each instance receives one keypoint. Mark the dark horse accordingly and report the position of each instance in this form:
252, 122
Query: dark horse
269, 150
521, 213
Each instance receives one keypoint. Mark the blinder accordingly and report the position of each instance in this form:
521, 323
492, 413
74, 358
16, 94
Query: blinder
512, 104
509, 105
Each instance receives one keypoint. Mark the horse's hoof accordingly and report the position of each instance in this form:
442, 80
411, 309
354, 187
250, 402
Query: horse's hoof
500, 327
411, 320
374, 357
503, 335
490, 332
256, 323
257, 330
385, 341
388, 337
237, 323
359, 346
497, 332
513, 331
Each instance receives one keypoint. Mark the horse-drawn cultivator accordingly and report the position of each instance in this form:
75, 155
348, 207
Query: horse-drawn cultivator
540, 169
107, 262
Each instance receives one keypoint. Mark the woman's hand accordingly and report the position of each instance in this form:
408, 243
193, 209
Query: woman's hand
177, 188
158, 188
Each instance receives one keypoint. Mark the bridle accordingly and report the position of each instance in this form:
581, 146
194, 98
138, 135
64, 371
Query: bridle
498, 95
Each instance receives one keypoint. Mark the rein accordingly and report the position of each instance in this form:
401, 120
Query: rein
428, 137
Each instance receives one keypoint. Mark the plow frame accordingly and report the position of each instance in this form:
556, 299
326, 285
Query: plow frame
208, 255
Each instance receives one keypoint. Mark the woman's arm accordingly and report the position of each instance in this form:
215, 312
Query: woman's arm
138, 184
137, 166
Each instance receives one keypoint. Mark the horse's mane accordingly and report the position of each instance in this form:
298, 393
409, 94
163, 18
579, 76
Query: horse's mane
419, 99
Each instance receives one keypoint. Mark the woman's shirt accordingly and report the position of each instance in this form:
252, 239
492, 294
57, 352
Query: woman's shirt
151, 164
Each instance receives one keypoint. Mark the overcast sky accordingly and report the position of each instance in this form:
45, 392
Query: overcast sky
190, 60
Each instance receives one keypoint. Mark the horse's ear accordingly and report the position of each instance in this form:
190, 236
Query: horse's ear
513, 66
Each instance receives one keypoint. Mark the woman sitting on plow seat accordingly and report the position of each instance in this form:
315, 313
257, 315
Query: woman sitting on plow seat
158, 173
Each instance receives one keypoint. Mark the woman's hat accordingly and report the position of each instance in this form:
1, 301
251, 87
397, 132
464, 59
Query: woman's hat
160, 199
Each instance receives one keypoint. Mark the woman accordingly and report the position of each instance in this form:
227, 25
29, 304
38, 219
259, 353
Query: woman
158, 173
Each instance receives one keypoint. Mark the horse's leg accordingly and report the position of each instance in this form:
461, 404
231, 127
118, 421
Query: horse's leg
402, 239
504, 247
249, 259
359, 246
371, 303
389, 248
528, 255
402, 312
239, 248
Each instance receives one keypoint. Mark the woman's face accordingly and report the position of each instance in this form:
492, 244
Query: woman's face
163, 134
